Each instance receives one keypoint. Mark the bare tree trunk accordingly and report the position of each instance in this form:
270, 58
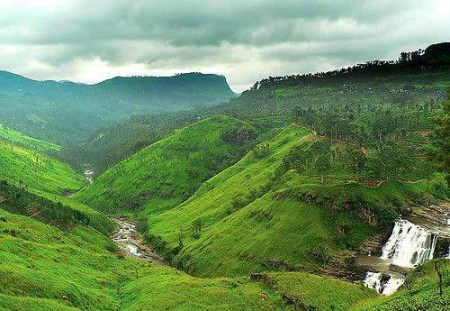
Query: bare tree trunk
437, 267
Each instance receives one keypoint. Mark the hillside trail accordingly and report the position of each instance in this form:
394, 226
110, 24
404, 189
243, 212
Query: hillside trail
131, 243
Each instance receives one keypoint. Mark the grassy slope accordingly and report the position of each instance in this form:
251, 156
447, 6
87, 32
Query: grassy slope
314, 292
169, 171
289, 222
262, 233
23, 162
45, 268
421, 292
213, 200
16, 138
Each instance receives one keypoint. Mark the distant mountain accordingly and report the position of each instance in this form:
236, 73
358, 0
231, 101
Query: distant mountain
68, 112
421, 76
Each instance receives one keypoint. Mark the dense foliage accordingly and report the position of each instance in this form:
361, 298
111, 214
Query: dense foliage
442, 136
366, 105
20, 201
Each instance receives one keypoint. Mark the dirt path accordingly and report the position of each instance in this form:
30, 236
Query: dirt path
131, 244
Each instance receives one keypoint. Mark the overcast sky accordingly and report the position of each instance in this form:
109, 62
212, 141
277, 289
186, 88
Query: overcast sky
245, 40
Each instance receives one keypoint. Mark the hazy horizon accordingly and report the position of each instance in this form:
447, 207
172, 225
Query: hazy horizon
83, 42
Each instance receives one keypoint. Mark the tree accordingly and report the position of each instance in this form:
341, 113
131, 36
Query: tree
322, 165
442, 136
196, 228
438, 269
357, 160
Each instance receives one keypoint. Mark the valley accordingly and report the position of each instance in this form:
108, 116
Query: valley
306, 192
130, 242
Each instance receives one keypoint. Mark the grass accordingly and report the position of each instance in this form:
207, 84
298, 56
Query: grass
45, 268
314, 292
35, 170
37, 260
162, 289
166, 173
8, 135
421, 291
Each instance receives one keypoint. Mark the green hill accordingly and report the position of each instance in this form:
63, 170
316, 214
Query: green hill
373, 99
8, 135
37, 260
167, 172
257, 202
24, 162
280, 218
68, 113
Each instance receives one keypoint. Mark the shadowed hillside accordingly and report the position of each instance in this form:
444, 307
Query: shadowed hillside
67, 113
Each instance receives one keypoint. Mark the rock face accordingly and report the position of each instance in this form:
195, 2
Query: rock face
442, 248
374, 245
435, 215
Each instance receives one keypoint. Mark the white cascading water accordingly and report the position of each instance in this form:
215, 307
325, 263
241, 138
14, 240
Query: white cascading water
383, 283
408, 246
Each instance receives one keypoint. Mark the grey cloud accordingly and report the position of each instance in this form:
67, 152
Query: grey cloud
242, 39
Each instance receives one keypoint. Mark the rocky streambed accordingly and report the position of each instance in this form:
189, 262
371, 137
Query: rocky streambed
131, 244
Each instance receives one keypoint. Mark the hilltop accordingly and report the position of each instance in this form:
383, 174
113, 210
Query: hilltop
67, 113
375, 94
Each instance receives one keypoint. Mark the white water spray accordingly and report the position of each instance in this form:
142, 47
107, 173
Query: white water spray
383, 283
408, 246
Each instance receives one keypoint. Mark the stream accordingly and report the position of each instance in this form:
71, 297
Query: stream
89, 175
131, 244
409, 245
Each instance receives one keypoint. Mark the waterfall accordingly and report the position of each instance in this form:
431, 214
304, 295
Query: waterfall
409, 245
383, 283
89, 175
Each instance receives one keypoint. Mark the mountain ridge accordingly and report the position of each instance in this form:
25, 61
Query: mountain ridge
52, 111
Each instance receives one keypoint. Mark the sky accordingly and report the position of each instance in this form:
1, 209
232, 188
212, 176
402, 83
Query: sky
244, 40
